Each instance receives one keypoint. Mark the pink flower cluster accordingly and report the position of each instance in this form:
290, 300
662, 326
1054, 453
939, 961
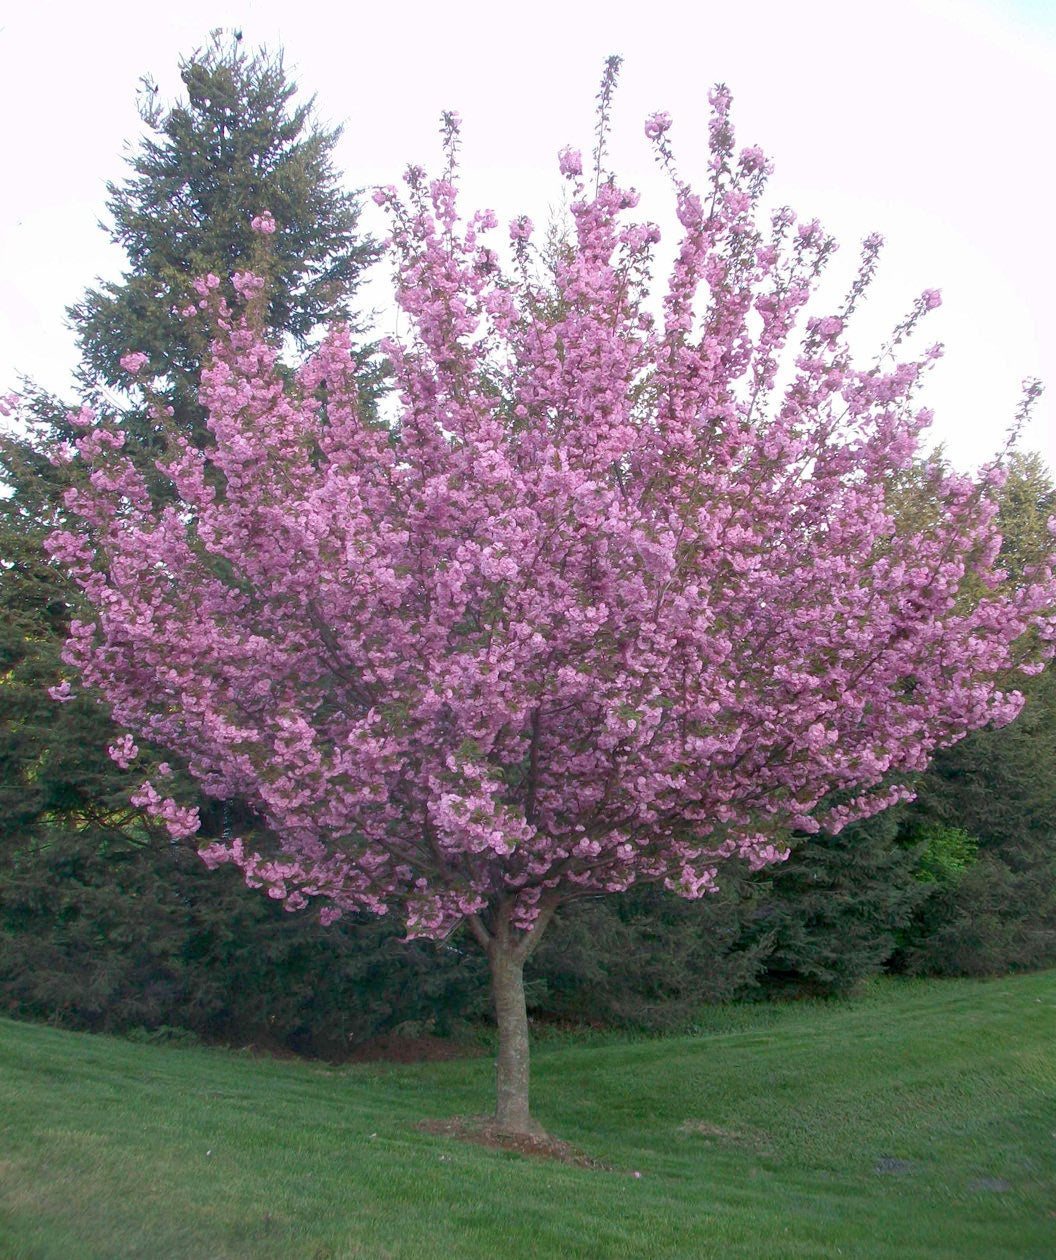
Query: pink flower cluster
180, 821
656, 124
247, 285
570, 162
134, 362
263, 223
123, 752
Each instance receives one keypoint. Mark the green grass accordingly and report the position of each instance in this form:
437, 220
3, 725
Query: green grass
917, 1122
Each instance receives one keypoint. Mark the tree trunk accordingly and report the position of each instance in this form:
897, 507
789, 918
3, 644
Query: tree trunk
506, 960
507, 949
512, 1114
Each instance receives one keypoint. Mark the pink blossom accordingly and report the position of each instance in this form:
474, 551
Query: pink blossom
521, 228
263, 223
134, 362
570, 162
123, 751
180, 821
656, 124
62, 453
246, 284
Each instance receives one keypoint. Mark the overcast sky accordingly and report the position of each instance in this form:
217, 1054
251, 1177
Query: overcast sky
928, 121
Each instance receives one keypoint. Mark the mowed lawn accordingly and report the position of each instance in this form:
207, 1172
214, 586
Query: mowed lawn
918, 1121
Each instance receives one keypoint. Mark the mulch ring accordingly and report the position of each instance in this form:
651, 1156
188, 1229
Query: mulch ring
482, 1131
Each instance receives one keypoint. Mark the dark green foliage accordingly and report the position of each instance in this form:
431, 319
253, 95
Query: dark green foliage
102, 934
1000, 785
944, 853
991, 919
646, 958
998, 913
997, 787
54, 768
834, 909
818, 924
1028, 500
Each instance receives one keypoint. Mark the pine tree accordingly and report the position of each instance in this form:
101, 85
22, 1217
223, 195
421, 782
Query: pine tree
79, 868
831, 915
239, 147
999, 787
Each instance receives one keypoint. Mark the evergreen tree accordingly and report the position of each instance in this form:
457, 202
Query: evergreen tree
832, 912
238, 148
997, 910
102, 919
647, 958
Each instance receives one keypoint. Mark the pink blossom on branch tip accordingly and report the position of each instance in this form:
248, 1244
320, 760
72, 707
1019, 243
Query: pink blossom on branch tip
570, 162
521, 228
657, 124
180, 821
247, 285
753, 159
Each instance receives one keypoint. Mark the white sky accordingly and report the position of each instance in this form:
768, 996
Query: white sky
926, 120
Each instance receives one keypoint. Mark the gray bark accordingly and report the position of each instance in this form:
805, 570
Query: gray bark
507, 949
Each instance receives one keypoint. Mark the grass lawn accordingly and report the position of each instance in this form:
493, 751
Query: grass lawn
916, 1122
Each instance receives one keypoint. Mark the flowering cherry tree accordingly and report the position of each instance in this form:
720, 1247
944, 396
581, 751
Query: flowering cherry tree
622, 592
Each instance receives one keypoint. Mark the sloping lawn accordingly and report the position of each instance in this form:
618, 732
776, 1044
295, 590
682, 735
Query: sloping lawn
917, 1122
